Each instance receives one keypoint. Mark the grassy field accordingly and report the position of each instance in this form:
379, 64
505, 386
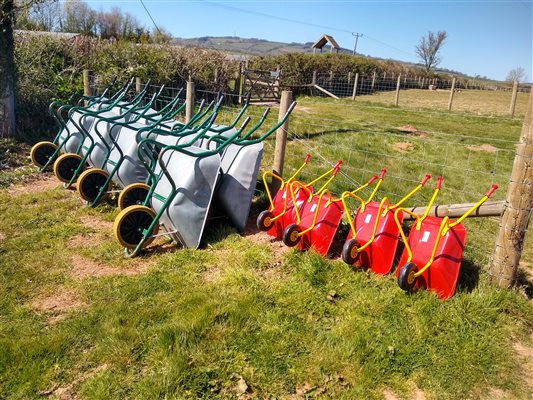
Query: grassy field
243, 317
478, 102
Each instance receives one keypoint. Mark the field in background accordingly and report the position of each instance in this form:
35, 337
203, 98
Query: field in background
477, 102
245, 318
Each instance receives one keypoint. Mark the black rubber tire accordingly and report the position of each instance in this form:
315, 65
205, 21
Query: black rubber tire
406, 277
41, 153
130, 223
264, 221
90, 182
134, 194
290, 235
349, 254
66, 165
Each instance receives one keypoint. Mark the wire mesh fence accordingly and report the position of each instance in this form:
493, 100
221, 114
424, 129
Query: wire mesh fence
415, 92
469, 155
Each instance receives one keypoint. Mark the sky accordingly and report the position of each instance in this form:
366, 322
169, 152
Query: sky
487, 38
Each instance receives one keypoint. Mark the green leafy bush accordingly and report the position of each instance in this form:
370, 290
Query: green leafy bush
50, 67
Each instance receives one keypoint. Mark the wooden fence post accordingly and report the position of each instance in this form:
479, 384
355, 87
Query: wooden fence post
87, 82
241, 81
138, 85
354, 93
314, 79
517, 210
349, 77
513, 98
374, 79
281, 136
452, 91
397, 98
189, 100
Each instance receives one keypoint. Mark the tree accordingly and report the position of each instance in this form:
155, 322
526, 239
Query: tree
78, 17
518, 74
428, 49
7, 69
45, 16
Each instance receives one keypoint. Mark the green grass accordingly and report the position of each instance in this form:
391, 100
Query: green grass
197, 320
194, 323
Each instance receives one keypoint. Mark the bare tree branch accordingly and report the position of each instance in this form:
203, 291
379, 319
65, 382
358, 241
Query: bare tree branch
428, 49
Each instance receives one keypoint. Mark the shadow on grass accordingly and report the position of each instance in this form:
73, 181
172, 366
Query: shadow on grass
468, 276
525, 282
312, 135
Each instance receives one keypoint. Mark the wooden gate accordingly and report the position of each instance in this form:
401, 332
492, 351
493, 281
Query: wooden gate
261, 85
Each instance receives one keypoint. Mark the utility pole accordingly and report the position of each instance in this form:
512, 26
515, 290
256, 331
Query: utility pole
357, 35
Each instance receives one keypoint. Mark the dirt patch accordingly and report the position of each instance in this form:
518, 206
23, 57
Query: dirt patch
525, 354
67, 392
85, 240
417, 395
95, 223
84, 268
389, 395
2, 236
403, 147
304, 109
41, 183
410, 129
487, 148
58, 305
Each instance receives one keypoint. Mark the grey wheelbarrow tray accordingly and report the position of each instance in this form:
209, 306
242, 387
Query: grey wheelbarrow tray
68, 138
184, 180
182, 192
122, 163
93, 144
121, 151
240, 164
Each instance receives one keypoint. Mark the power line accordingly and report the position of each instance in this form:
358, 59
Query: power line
260, 14
150, 15
265, 15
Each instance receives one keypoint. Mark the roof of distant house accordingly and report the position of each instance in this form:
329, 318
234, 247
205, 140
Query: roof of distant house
324, 40
63, 35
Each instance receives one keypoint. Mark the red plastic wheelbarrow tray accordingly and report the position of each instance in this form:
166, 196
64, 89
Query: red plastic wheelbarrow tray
317, 220
373, 237
282, 211
274, 219
433, 251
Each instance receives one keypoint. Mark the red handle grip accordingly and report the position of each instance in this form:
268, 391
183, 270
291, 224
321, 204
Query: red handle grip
383, 172
426, 178
307, 157
372, 179
336, 167
439, 182
491, 190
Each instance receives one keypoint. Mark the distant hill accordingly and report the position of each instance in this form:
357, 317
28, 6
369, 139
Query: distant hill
242, 46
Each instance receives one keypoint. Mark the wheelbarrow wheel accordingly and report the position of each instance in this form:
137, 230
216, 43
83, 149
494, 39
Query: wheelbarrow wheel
131, 224
134, 194
90, 183
350, 252
264, 221
66, 165
42, 152
291, 235
406, 277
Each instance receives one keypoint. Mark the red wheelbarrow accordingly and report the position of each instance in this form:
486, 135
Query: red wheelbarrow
317, 221
433, 252
282, 211
373, 237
